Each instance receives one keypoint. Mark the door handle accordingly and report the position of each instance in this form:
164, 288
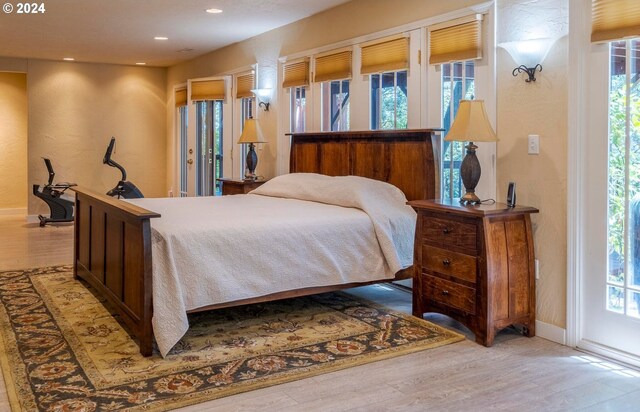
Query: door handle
190, 161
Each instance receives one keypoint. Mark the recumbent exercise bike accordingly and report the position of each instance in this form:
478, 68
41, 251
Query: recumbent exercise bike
60, 205
124, 189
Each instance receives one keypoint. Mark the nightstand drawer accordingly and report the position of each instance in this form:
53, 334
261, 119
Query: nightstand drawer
449, 263
450, 294
449, 232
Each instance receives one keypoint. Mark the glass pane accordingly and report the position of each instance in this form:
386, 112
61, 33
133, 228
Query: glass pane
202, 132
344, 112
298, 107
617, 162
183, 116
634, 165
247, 112
375, 101
470, 90
615, 299
401, 100
633, 302
388, 101
216, 156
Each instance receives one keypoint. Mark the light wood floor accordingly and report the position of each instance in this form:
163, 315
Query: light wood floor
516, 374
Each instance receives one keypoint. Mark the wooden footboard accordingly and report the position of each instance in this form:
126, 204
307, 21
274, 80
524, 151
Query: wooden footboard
112, 252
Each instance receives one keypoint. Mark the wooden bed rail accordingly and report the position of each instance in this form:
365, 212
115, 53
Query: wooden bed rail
112, 252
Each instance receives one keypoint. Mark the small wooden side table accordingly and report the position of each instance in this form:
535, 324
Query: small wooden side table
238, 186
475, 264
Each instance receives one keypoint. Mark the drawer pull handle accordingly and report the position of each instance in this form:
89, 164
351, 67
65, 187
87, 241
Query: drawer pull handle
445, 292
446, 262
446, 230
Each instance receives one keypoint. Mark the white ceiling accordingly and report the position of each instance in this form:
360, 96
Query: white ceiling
122, 31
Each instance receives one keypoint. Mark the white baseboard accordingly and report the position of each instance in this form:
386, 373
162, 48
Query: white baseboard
33, 219
551, 332
13, 212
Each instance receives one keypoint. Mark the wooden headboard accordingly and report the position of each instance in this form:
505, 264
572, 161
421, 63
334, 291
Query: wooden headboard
408, 159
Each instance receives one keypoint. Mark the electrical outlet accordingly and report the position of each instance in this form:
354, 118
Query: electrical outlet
537, 266
533, 144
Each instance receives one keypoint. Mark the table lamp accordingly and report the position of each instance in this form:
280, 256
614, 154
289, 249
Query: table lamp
251, 134
471, 125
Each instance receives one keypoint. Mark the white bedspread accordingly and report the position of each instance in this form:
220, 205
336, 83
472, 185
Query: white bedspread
295, 231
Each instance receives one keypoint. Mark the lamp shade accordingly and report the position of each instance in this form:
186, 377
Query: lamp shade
251, 132
471, 124
529, 52
263, 94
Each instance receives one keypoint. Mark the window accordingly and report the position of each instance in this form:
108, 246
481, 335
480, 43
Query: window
296, 80
298, 109
333, 74
335, 105
209, 147
389, 100
623, 278
457, 84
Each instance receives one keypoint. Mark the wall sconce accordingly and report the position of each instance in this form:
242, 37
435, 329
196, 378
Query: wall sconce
264, 98
529, 54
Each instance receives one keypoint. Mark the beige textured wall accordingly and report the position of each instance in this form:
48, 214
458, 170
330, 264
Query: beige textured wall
522, 108
13, 141
75, 108
353, 19
537, 108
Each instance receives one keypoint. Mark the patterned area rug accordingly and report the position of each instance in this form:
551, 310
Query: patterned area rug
63, 351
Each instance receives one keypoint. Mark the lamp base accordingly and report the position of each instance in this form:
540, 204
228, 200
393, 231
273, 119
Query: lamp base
470, 175
251, 162
470, 198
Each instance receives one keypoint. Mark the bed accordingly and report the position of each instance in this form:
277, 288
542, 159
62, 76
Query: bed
114, 239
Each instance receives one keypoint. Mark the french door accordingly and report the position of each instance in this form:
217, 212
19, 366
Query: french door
205, 140
610, 298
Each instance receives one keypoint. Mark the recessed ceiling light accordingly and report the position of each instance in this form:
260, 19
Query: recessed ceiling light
213, 11
68, 59
160, 38
141, 63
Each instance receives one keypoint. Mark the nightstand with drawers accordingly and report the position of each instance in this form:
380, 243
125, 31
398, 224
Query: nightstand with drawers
238, 186
475, 264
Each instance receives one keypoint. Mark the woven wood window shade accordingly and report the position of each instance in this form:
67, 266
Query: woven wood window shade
614, 20
296, 74
336, 66
181, 97
385, 56
207, 90
456, 43
244, 84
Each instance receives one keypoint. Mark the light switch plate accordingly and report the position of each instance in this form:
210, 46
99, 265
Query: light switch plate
533, 144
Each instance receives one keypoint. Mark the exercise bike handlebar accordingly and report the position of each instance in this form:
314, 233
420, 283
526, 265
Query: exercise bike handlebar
108, 161
52, 174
